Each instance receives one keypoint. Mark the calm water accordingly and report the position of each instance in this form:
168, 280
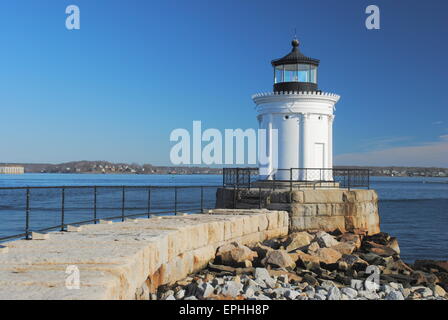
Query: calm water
413, 209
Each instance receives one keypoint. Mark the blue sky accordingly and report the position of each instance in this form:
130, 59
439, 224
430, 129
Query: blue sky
136, 70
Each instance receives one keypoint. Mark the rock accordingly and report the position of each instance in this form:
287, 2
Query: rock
334, 294
378, 249
262, 297
373, 258
313, 247
325, 240
398, 266
262, 275
318, 296
393, 244
310, 280
423, 291
371, 295
232, 289
394, 295
327, 285
191, 298
207, 290
426, 265
422, 278
261, 251
291, 294
379, 238
287, 276
170, 297
307, 261
344, 247
357, 284
352, 238
235, 255
298, 240
349, 292
439, 291
280, 259
328, 255
249, 292
180, 294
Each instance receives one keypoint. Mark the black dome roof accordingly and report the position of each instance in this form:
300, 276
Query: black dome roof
295, 56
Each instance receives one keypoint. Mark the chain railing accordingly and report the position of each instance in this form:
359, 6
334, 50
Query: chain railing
40, 209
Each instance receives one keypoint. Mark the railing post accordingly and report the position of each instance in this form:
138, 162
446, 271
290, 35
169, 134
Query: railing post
94, 205
149, 202
123, 199
348, 178
62, 208
368, 179
290, 179
27, 211
175, 200
260, 206
234, 197
202, 199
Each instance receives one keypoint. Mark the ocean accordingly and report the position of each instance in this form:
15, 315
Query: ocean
415, 210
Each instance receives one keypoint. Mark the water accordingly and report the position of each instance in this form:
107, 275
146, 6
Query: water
413, 209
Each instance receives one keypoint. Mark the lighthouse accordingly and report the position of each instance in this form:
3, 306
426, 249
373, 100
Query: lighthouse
297, 118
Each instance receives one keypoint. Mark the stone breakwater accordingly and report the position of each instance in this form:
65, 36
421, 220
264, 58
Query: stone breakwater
320, 209
128, 260
314, 266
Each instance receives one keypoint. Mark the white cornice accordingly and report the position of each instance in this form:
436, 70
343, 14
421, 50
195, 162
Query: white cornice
269, 97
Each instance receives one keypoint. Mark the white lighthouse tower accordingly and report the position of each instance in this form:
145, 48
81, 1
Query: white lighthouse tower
303, 117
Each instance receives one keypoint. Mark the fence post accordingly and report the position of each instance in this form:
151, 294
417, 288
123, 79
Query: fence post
348, 178
290, 179
234, 197
94, 205
202, 199
149, 202
27, 211
123, 199
62, 208
175, 200
368, 179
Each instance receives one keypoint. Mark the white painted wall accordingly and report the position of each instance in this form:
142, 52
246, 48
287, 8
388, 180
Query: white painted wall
304, 122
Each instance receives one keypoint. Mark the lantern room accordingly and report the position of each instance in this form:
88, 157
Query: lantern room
295, 71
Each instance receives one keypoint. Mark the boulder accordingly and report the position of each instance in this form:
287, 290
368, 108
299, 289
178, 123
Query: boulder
393, 244
297, 241
349, 292
353, 238
232, 289
426, 265
327, 255
325, 240
236, 255
344, 247
280, 259
439, 291
379, 249
313, 247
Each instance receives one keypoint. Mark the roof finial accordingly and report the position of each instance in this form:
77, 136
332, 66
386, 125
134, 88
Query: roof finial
295, 42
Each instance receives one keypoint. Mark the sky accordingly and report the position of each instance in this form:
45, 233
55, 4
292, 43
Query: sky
136, 70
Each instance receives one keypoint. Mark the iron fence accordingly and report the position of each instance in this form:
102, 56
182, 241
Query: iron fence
41, 209
297, 178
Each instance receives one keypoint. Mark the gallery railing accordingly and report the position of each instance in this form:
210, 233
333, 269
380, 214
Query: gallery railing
40, 209
297, 178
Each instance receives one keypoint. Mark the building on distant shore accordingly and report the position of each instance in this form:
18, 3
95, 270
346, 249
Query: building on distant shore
12, 170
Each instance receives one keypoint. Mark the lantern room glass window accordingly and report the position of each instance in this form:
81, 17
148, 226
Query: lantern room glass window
295, 73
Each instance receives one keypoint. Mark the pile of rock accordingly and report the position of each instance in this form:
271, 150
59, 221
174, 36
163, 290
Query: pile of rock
314, 266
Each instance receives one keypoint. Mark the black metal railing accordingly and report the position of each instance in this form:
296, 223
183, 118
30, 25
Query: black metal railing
297, 178
243, 177
40, 209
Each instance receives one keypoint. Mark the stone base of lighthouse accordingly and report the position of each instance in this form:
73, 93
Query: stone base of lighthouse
323, 209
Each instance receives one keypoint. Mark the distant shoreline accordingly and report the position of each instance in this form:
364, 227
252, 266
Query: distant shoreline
106, 167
